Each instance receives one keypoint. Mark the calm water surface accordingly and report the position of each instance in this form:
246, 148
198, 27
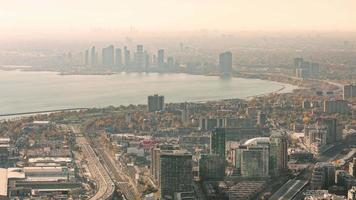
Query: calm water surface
39, 91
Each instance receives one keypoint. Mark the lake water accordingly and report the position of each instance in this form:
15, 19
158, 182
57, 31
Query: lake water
40, 91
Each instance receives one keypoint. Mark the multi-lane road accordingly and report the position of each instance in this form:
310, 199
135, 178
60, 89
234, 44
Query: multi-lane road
289, 190
122, 181
105, 170
104, 185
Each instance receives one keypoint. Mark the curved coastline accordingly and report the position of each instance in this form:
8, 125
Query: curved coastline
284, 87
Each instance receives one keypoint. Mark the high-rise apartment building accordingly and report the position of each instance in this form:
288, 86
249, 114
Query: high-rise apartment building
160, 58
86, 58
349, 91
225, 63
118, 57
127, 57
155, 103
336, 106
108, 56
140, 58
331, 124
93, 57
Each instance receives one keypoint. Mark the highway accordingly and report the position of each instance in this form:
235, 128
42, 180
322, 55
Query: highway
335, 151
122, 181
289, 190
105, 187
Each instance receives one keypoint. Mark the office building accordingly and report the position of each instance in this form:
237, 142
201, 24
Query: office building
160, 58
323, 176
176, 173
217, 142
155, 103
278, 153
225, 63
336, 106
254, 161
108, 56
211, 167
118, 57
155, 158
93, 57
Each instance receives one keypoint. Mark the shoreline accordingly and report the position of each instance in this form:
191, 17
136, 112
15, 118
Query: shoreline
284, 88
16, 116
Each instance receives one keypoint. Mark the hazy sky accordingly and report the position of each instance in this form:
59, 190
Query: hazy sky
74, 16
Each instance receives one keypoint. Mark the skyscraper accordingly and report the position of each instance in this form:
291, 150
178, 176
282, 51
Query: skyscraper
323, 176
86, 58
155, 103
254, 161
108, 56
118, 57
155, 158
211, 167
170, 63
278, 153
160, 58
147, 60
217, 142
140, 58
176, 174
127, 57
93, 57
225, 63
349, 91
331, 124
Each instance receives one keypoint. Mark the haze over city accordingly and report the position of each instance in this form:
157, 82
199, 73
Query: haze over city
43, 19
178, 99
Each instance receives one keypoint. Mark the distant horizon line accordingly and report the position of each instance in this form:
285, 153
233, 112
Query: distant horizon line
110, 34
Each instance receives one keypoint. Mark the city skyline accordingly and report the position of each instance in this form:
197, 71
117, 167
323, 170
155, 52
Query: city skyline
178, 99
